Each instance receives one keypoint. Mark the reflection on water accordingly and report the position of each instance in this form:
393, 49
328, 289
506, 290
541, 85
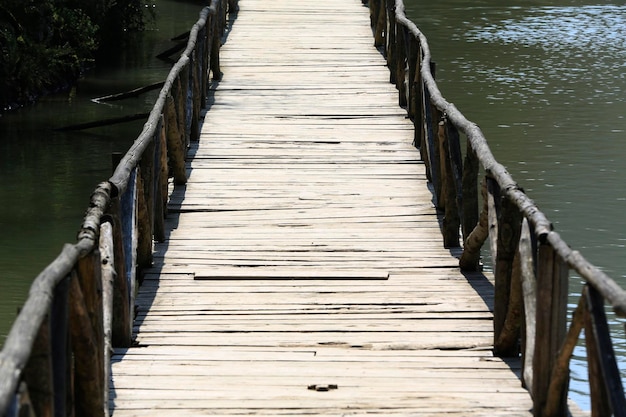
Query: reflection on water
545, 80
46, 177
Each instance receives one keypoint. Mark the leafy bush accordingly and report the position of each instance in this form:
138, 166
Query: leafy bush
46, 44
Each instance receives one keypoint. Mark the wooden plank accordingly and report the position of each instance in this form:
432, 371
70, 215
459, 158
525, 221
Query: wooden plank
305, 248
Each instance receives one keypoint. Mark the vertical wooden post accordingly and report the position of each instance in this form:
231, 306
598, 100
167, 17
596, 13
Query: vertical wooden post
122, 318
400, 64
38, 373
431, 120
145, 191
529, 294
507, 313
470, 191
175, 143
412, 88
391, 46
605, 382
447, 193
60, 345
381, 24
88, 335
215, 51
194, 88
204, 69
233, 6
470, 258
552, 276
129, 207
106, 247
160, 182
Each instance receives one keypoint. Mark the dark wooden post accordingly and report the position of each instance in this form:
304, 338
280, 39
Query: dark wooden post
431, 120
160, 183
88, 336
215, 50
128, 217
605, 382
122, 318
391, 46
412, 79
106, 247
400, 63
145, 192
38, 372
470, 191
194, 88
470, 258
455, 179
175, 143
552, 276
447, 193
61, 352
507, 314
380, 33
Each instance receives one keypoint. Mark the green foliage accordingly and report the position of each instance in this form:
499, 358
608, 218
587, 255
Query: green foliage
45, 44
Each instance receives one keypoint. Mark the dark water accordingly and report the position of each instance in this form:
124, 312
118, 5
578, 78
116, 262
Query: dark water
545, 80
46, 177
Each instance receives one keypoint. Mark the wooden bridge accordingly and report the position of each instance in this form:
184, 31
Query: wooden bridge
309, 260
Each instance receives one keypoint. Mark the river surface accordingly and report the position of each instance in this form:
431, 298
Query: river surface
545, 80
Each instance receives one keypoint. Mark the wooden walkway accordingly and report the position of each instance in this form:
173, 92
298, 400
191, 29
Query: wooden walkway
304, 272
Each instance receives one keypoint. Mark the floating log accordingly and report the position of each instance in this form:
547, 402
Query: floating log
171, 51
131, 93
182, 37
104, 122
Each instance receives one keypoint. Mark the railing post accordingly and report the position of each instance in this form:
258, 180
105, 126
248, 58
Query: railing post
469, 191
87, 335
400, 60
470, 258
160, 182
605, 383
391, 46
431, 120
145, 194
447, 194
175, 142
380, 33
216, 41
508, 305
552, 277
106, 248
121, 321
38, 373
194, 88
412, 79
129, 206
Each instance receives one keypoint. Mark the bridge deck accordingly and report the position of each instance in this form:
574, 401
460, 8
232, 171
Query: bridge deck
304, 272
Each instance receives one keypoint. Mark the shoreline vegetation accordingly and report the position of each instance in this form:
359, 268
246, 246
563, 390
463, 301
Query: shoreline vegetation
47, 44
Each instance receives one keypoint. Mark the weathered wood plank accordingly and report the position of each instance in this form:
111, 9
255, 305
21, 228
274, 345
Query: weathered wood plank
305, 248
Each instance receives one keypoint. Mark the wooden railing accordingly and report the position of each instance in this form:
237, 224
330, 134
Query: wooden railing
531, 261
56, 358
